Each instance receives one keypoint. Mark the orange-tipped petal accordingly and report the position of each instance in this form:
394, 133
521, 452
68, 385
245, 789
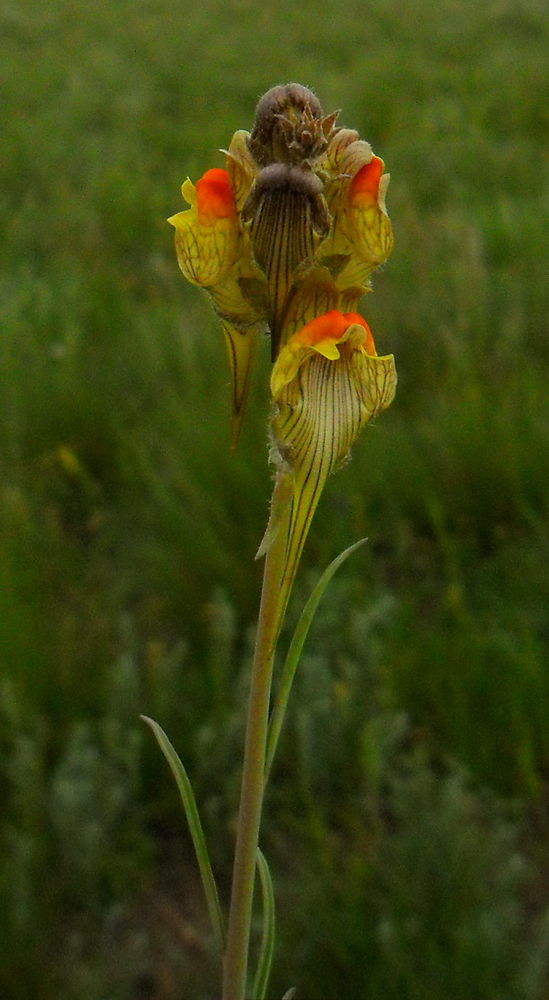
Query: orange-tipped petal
323, 335
361, 236
365, 184
330, 326
207, 236
327, 383
318, 414
215, 197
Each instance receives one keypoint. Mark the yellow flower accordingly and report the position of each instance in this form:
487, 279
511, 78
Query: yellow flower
326, 384
212, 252
360, 237
208, 234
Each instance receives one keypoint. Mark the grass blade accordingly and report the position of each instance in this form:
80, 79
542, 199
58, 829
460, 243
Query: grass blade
294, 653
195, 827
268, 938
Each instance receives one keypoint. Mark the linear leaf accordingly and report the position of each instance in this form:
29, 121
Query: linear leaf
268, 938
294, 653
195, 827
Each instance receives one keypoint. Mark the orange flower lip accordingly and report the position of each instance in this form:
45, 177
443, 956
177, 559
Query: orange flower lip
329, 326
215, 197
332, 326
366, 181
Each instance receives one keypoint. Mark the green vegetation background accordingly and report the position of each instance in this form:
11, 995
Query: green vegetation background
407, 824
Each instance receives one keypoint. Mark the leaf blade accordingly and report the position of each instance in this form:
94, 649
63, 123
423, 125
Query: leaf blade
261, 980
195, 828
294, 653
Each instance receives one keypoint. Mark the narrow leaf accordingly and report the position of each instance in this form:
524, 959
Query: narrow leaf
195, 827
294, 653
268, 938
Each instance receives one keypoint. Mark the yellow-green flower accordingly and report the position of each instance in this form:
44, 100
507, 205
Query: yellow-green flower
212, 251
361, 236
326, 383
207, 236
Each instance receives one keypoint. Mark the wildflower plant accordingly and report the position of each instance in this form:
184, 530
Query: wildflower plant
284, 240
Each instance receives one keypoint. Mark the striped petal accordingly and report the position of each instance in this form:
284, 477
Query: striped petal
207, 235
361, 235
241, 168
287, 217
239, 302
327, 383
212, 252
241, 346
368, 215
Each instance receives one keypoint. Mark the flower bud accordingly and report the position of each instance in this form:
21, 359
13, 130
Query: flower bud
288, 127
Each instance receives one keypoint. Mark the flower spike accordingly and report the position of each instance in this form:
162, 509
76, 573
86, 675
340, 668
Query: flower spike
288, 233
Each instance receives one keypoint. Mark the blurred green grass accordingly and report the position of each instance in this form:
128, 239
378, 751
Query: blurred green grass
127, 532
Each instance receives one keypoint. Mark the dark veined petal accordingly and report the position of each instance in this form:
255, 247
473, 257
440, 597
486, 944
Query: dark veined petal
213, 252
287, 215
241, 346
239, 302
361, 235
369, 217
327, 383
313, 295
241, 168
207, 235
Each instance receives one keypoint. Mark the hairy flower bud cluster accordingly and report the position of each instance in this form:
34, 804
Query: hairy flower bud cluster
288, 127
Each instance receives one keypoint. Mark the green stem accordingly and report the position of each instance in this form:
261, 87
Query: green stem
253, 775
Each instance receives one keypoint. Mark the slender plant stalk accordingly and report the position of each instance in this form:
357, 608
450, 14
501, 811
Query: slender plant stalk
253, 775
